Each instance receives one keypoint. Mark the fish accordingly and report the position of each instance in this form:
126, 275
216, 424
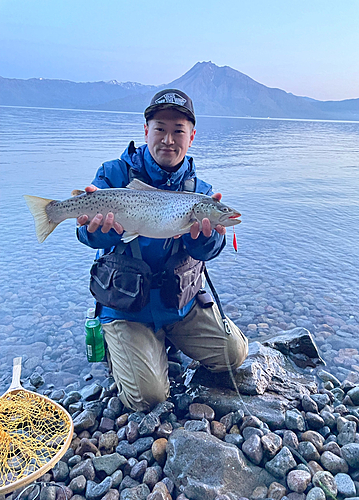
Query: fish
141, 209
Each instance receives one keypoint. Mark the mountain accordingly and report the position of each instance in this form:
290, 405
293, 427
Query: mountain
215, 90
65, 94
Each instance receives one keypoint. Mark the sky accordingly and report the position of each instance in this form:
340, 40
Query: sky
307, 47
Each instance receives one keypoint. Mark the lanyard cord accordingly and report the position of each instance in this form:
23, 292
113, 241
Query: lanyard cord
227, 329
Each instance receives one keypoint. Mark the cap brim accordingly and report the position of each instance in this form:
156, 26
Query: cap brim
168, 105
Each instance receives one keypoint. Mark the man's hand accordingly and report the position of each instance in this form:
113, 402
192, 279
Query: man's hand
96, 222
206, 225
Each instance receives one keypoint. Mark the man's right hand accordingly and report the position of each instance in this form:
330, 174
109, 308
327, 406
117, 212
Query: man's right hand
107, 224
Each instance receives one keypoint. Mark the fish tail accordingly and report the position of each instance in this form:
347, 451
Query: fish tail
43, 225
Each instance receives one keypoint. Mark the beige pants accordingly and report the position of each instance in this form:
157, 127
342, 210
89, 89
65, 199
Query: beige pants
138, 356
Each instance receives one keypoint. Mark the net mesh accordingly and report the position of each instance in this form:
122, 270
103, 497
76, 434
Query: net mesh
32, 431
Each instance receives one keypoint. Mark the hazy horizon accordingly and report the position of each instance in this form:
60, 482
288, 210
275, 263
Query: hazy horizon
305, 48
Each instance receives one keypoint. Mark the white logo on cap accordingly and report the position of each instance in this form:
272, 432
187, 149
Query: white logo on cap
172, 98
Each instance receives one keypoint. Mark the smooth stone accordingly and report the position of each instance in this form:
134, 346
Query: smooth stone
198, 411
138, 470
314, 420
314, 437
298, 480
350, 453
333, 463
253, 449
345, 485
316, 493
325, 480
159, 450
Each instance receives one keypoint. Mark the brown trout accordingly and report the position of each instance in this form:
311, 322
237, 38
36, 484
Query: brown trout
140, 209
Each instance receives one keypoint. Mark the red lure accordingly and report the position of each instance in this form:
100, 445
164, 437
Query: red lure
235, 241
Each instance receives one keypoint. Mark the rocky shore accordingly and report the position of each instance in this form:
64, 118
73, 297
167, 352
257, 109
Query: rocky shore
290, 434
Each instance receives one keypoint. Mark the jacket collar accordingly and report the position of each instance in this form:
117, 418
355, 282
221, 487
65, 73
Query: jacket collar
140, 159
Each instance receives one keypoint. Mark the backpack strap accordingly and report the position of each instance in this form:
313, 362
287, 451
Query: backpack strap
134, 245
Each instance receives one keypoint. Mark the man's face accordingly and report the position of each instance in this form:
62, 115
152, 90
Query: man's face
169, 135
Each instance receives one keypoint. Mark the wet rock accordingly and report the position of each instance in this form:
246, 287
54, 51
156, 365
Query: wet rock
202, 466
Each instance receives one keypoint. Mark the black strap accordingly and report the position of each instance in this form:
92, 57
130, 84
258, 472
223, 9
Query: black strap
134, 245
226, 325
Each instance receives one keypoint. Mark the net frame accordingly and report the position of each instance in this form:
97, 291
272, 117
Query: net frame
15, 388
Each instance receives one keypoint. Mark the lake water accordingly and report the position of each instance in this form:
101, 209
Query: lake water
296, 184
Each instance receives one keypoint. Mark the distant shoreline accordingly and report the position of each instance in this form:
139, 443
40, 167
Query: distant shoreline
198, 115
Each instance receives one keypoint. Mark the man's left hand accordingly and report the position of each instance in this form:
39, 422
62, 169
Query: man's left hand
206, 225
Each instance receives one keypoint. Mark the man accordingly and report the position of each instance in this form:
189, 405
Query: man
136, 341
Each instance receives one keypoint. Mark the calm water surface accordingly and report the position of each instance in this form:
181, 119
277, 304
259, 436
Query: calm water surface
296, 184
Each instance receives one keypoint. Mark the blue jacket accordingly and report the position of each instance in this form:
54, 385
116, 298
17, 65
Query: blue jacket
115, 174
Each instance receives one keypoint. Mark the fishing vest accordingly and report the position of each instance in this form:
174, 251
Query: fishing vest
123, 282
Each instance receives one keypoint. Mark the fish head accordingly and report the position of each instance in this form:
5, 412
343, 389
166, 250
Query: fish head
216, 212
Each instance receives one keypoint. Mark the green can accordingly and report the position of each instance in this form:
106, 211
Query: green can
95, 345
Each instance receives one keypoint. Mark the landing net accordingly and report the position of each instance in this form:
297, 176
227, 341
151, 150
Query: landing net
33, 430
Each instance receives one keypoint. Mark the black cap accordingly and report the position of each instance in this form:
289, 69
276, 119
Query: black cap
171, 98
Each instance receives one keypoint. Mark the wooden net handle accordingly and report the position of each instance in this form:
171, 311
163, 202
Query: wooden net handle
16, 372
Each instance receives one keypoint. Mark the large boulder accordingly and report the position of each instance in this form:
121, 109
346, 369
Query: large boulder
204, 467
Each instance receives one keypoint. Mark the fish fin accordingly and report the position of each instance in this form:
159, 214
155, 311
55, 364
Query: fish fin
43, 225
128, 236
187, 228
141, 186
77, 192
